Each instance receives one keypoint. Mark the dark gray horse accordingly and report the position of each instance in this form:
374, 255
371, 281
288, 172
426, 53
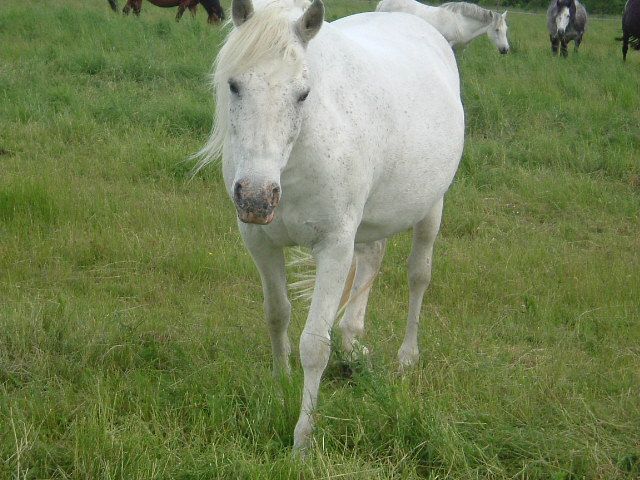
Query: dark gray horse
630, 27
566, 21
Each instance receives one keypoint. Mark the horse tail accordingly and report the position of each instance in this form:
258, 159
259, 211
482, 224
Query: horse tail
113, 5
305, 279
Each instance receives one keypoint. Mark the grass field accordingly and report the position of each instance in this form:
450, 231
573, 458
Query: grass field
131, 336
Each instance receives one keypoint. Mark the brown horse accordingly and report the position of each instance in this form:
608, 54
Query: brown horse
213, 8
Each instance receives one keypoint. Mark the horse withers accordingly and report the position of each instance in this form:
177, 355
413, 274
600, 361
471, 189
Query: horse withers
630, 27
214, 9
458, 22
566, 21
334, 136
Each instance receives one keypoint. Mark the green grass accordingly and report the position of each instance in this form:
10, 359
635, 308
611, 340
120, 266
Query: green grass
131, 334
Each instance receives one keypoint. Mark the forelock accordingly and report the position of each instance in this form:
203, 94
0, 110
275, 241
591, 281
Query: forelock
267, 35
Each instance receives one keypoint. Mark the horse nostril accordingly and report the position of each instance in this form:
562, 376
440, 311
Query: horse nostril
237, 192
275, 195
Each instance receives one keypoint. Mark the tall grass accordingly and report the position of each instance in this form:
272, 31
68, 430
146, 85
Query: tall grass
131, 335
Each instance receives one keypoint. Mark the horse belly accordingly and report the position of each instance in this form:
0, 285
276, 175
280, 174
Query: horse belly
406, 194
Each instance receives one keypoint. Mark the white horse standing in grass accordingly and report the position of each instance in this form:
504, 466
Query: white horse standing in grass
334, 136
458, 22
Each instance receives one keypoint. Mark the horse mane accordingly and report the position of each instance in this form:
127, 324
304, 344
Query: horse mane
470, 10
266, 34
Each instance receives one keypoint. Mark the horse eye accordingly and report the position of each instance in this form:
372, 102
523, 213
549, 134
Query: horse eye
304, 96
233, 86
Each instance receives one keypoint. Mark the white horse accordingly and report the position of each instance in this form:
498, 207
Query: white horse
458, 22
334, 136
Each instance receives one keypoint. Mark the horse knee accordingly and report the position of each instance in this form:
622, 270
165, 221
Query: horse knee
277, 314
315, 349
420, 279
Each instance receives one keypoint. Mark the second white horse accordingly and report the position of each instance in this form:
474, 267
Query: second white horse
458, 22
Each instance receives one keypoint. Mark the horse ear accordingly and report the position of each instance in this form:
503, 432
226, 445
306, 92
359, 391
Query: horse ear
308, 25
504, 15
241, 11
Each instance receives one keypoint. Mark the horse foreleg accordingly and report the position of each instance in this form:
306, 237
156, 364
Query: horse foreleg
269, 260
113, 5
555, 41
333, 260
127, 7
625, 47
181, 9
192, 9
424, 236
368, 258
564, 51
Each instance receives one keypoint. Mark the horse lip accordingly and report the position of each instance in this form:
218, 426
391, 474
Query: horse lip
249, 217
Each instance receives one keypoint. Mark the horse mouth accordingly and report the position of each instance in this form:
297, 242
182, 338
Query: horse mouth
251, 217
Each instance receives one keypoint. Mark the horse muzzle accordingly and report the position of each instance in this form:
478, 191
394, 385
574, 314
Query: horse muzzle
504, 51
256, 204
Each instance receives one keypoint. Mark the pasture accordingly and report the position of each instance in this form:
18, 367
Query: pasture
131, 336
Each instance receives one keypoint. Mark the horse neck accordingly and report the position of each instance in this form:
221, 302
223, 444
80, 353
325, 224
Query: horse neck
471, 28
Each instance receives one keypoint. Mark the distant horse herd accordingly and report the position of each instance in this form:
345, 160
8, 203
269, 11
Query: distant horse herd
566, 20
213, 7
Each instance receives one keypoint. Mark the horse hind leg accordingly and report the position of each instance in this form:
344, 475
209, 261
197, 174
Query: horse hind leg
137, 7
625, 47
214, 11
424, 236
368, 258
577, 43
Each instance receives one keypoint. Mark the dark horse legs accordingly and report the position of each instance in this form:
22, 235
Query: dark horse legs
562, 44
184, 4
555, 41
212, 7
563, 48
136, 5
214, 10
625, 46
578, 41
113, 5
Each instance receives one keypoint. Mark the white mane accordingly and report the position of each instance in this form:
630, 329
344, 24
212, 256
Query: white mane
470, 10
267, 34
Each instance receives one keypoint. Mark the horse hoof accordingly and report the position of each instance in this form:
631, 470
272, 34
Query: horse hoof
407, 359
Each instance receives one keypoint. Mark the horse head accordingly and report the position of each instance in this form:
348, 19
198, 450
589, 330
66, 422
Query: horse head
497, 32
566, 13
261, 81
